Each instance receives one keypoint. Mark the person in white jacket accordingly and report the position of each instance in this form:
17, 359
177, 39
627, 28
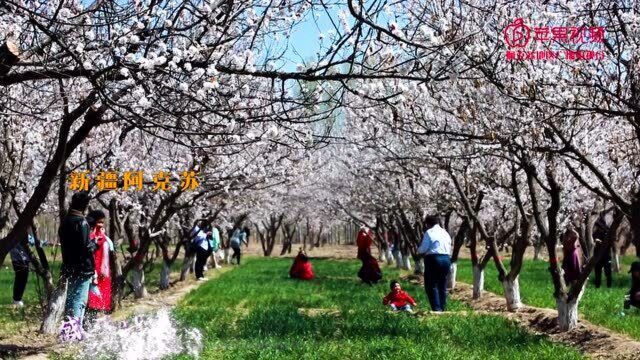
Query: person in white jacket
436, 247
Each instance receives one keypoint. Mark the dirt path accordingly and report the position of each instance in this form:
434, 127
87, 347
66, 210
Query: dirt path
592, 340
22, 345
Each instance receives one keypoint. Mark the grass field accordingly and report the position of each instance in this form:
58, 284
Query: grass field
601, 306
257, 312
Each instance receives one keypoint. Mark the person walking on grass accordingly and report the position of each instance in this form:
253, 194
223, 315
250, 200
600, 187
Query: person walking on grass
20, 260
398, 299
436, 247
238, 237
78, 264
100, 291
214, 244
200, 242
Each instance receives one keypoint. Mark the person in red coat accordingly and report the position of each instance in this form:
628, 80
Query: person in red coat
364, 241
100, 290
398, 299
370, 271
301, 268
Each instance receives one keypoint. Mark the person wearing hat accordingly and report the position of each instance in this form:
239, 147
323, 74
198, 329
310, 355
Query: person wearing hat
634, 293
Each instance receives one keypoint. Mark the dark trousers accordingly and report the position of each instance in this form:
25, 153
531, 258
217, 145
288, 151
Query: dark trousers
236, 253
436, 270
20, 282
201, 260
606, 265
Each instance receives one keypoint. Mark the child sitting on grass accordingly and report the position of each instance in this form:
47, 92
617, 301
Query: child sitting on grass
398, 300
633, 298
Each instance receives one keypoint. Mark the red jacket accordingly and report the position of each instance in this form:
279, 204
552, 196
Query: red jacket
399, 299
301, 269
364, 239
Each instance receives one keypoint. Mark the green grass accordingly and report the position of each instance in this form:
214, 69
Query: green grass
257, 312
601, 306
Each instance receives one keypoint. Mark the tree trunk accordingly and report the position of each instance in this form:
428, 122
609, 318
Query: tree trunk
398, 257
419, 269
478, 281
55, 309
451, 278
615, 260
187, 265
406, 263
537, 249
164, 276
137, 280
512, 293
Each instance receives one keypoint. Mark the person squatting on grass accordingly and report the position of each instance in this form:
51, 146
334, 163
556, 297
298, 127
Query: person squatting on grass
436, 247
398, 299
571, 264
239, 236
634, 294
200, 242
100, 294
78, 264
301, 267
20, 260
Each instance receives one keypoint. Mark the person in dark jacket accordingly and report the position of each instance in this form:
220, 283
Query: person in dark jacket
633, 299
78, 267
20, 261
600, 234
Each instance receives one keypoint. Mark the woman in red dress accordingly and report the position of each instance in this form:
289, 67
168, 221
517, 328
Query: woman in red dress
100, 291
370, 271
301, 268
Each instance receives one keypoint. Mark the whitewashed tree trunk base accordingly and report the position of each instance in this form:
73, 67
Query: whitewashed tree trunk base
478, 282
389, 257
512, 294
568, 312
451, 279
406, 264
137, 280
164, 276
55, 310
398, 257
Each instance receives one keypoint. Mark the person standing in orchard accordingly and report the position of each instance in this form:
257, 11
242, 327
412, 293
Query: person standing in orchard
600, 234
436, 247
78, 264
370, 271
100, 295
20, 260
571, 263
239, 236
